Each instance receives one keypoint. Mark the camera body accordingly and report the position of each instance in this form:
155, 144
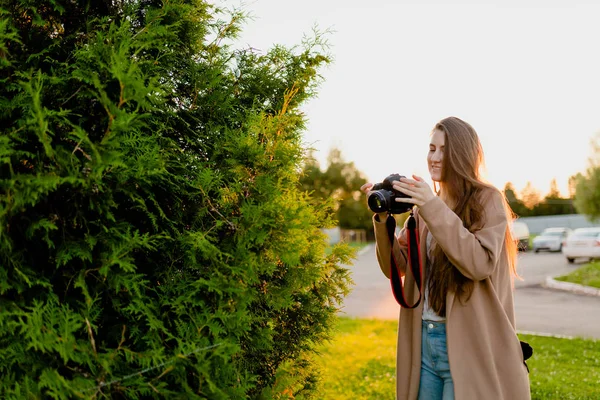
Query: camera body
382, 197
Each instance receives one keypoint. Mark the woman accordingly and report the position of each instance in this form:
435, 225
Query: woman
460, 341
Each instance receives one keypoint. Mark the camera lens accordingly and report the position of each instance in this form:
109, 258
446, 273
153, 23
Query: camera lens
377, 202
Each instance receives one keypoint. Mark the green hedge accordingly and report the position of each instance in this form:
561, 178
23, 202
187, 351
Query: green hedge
153, 241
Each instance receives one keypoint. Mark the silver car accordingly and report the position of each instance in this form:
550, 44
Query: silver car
551, 239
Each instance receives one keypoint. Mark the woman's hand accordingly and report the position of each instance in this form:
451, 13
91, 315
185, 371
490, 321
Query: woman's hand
366, 188
417, 189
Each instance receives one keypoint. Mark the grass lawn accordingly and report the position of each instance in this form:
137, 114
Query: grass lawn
360, 364
588, 275
355, 245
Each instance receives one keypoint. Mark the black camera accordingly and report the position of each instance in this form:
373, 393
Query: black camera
382, 197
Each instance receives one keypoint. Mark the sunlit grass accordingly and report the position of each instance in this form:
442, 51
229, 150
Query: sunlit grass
588, 275
356, 245
360, 364
566, 369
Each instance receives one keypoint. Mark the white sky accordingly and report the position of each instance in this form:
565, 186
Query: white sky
525, 74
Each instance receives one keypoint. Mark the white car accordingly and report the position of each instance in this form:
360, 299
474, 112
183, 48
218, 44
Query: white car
583, 242
520, 232
551, 239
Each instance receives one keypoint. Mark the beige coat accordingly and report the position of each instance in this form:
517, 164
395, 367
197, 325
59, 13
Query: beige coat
486, 361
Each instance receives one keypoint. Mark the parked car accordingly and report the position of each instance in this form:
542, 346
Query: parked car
551, 239
583, 242
520, 232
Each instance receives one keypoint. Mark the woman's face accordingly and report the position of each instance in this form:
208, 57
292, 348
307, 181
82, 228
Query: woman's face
436, 155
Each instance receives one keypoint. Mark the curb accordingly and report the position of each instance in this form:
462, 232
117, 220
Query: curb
552, 335
364, 250
551, 283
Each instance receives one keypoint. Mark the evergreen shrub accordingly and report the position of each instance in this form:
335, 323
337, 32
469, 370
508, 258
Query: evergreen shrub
153, 239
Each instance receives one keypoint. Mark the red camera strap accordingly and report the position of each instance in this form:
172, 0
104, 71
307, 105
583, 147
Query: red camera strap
414, 260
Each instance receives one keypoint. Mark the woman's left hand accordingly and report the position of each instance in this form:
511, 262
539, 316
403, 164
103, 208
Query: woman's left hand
417, 189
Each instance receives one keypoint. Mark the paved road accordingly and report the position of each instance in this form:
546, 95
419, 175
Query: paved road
538, 309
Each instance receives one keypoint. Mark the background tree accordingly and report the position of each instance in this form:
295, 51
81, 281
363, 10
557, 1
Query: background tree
554, 192
516, 205
553, 203
587, 187
573, 184
153, 240
530, 195
338, 181
338, 187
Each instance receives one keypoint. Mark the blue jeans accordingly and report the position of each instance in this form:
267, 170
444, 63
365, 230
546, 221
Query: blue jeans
436, 381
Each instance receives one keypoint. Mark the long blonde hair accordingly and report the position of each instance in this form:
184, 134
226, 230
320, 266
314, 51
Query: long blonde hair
462, 188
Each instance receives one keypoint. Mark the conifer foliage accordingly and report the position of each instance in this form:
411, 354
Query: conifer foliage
153, 242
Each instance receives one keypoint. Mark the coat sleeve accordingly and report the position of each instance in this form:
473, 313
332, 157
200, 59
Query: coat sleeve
476, 254
382, 247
